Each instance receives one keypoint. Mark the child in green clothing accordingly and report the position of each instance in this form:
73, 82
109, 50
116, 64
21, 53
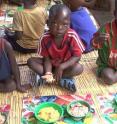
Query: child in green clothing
105, 40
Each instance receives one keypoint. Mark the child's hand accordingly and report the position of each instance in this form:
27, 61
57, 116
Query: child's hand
101, 37
49, 78
58, 73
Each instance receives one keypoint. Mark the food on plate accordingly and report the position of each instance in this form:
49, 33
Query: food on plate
78, 110
113, 115
60, 122
49, 114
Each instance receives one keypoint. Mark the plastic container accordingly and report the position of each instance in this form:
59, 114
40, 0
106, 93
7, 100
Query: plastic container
44, 105
78, 117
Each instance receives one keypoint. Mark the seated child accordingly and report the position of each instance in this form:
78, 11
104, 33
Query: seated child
28, 25
105, 40
81, 21
9, 72
61, 50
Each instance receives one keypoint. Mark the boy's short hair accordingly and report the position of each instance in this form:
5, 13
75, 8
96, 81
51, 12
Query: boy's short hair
57, 8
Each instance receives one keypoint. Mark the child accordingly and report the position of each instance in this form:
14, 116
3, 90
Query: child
81, 21
61, 49
105, 40
28, 25
9, 72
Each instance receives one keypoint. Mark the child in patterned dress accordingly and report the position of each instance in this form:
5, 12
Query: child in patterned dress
105, 40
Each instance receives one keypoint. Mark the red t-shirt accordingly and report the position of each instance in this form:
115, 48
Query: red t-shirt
70, 46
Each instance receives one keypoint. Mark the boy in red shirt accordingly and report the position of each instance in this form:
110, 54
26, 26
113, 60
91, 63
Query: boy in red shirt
61, 49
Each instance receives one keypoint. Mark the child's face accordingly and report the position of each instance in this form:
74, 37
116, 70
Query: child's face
59, 24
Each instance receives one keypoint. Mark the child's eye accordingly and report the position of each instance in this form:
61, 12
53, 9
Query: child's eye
66, 25
55, 24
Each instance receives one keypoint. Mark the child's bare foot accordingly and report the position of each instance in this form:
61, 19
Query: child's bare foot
23, 88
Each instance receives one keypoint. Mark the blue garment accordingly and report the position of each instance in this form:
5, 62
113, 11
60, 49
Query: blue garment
5, 70
84, 26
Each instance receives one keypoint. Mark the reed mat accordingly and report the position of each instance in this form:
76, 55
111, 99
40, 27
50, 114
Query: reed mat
87, 82
22, 58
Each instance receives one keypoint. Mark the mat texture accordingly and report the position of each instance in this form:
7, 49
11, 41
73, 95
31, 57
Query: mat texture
87, 82
22, 58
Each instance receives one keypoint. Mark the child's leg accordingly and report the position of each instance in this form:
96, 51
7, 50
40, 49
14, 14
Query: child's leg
73, 71
36, 64
8, 85
67, 80
109, 75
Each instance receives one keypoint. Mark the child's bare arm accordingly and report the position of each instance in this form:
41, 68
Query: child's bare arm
48, 76
11, 57
47, 65
16, 34
14, 67
99, 39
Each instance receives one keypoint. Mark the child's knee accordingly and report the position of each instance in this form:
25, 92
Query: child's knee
29, 62
79, 68
10, 85
109, 79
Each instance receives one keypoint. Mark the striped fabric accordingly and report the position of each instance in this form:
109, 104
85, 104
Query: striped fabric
108, 50
71, 45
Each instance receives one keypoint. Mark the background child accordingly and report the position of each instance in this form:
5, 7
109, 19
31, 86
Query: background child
105, 40
81, 21
61, 49
9, 72
28, 25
